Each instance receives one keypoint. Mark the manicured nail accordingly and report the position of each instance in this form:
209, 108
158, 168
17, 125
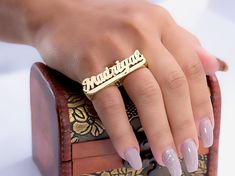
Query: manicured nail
190, 155
171, 161
210, 63
206, 132
133, 158
223, 66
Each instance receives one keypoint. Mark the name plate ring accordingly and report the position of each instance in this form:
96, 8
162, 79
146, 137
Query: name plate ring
113, 75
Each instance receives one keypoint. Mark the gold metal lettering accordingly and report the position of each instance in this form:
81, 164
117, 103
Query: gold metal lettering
113, 74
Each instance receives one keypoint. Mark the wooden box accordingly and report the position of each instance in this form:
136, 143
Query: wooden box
70, 140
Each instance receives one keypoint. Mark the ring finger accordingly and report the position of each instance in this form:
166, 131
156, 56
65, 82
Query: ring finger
175, 91
144, 91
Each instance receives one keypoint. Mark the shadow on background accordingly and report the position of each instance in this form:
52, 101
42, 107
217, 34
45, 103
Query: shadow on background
15, 57
225, 8
25, 167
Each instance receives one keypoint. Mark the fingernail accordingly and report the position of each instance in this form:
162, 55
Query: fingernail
133, 158
190, 155
206, 132
171, 161
223, 66
210, 63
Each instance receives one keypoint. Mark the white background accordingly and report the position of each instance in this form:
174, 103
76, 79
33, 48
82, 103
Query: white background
213, 21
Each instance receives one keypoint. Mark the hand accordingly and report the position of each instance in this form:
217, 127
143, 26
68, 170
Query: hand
81, 38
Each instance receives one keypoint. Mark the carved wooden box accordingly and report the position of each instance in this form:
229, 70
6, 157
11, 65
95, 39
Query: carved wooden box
70, 140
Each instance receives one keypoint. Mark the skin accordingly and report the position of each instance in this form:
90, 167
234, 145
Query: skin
80, 38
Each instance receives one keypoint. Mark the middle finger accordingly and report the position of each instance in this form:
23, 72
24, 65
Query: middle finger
145, 92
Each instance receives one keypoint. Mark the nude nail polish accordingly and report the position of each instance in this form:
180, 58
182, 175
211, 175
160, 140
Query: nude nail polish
206, 132
133, 158
171, 161
190, 155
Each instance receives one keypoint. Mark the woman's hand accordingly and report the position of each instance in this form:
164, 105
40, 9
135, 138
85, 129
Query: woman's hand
81, 38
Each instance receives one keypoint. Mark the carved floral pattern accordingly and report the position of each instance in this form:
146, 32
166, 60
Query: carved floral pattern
155, 170
202, 166
83, 118
118, 172
86, 126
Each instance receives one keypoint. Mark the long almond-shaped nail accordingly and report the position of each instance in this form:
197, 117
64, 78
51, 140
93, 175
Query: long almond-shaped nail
171, 161
206, 132
190, 155
133, 158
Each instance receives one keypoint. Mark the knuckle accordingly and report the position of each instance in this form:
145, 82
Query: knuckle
109, 103
203, 104
176, 80
195, 39
194, 70
163, 15
161, 11
184, 125
86, 51
137, 17
87, 64
106, 36
123, 135
127, 9
161, 134
135, 20
148, 92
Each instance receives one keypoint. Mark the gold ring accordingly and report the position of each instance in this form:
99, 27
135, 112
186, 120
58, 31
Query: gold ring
112, 75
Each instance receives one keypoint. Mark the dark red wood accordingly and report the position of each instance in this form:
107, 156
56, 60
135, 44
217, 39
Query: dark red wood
52, 149
216, 101
95, 164
92, 148
45, 126
50, 123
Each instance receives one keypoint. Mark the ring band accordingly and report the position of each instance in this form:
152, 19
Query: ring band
112, 75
